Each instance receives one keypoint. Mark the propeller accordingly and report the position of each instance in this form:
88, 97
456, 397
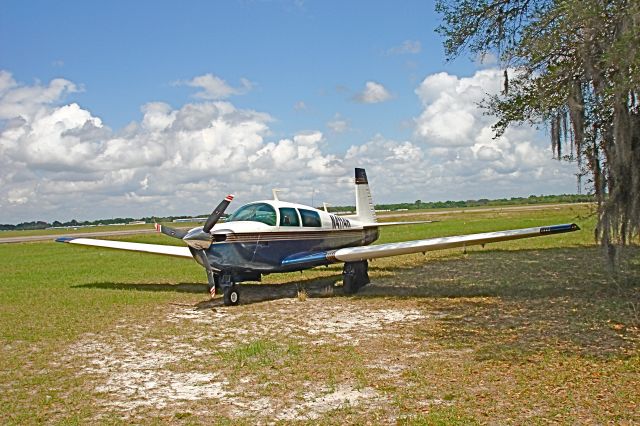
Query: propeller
216, 213
198, 238
172, 232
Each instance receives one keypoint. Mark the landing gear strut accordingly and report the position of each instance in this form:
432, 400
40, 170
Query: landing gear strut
355, 276
214, 283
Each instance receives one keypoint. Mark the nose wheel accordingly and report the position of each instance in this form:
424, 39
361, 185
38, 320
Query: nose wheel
231, 295
230, 291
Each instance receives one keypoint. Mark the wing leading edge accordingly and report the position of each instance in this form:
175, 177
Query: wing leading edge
354, 254
122, 245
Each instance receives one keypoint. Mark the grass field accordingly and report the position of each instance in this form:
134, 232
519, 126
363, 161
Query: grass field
529, 331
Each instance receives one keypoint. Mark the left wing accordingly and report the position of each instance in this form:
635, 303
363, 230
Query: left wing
354, 254
122, 245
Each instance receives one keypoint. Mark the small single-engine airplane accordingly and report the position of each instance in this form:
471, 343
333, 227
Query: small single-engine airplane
270, 236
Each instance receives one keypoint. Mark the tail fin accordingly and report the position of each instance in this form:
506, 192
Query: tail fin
365, 211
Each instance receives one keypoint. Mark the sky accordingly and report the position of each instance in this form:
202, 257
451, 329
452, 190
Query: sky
141, 108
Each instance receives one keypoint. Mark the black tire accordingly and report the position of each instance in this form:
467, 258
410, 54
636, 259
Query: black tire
349, 284
231, 296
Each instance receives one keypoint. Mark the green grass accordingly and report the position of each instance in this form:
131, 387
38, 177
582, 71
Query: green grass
521, 332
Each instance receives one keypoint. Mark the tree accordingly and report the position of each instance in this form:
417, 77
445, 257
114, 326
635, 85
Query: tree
573, 65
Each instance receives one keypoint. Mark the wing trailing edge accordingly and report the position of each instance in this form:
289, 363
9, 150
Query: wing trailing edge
122, 245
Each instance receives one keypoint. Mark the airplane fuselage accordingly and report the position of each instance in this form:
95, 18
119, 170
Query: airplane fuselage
259, 237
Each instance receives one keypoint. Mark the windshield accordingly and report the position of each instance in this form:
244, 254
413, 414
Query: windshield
258, 212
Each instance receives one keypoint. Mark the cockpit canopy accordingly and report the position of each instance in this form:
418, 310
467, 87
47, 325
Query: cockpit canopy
289, 215
256, 212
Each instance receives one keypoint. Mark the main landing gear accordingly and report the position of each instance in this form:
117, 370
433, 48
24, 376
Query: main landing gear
355, 275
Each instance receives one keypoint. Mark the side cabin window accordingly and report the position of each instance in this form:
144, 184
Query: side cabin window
288, 217
258, 212
310, 218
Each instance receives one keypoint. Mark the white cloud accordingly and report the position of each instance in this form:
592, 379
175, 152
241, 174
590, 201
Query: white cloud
215, 88
27, 101
451, 116
407, 47
62, 162
373, 93
459, 142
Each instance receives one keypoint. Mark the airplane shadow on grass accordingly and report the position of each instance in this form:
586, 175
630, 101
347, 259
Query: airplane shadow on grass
532, 274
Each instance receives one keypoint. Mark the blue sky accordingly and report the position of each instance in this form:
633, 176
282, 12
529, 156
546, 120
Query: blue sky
355, 74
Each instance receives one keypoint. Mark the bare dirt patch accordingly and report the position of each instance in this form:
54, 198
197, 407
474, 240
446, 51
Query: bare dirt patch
132, 370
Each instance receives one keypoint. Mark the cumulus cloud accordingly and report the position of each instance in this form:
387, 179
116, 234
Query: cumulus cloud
60, 161
215, 88
457, 137
373, 93
17, 100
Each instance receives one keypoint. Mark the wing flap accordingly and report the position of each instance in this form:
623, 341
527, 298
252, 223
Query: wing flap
123, 245
353, 254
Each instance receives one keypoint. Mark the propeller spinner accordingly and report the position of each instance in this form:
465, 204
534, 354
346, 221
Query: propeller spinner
199, 238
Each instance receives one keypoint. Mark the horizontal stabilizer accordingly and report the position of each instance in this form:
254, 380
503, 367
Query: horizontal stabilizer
122, 245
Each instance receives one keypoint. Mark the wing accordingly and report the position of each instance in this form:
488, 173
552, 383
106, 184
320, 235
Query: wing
354, 254
122, 245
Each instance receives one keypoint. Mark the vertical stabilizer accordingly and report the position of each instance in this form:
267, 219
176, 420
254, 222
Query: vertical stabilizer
365, 211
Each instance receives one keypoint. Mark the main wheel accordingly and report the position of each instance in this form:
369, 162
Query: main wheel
231, 296
349, 285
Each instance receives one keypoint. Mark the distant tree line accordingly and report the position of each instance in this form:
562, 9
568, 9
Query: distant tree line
24, 226
417, 205
533, 199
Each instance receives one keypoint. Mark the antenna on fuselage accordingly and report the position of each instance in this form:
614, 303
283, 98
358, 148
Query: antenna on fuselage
275, 194
326, 206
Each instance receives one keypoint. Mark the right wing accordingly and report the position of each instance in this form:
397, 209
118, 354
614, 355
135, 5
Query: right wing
122, 245
355, 254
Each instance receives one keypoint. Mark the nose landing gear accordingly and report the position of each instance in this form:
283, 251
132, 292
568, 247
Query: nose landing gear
230, 291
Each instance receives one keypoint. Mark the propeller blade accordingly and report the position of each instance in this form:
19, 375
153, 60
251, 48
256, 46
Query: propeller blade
172, 232
215, 215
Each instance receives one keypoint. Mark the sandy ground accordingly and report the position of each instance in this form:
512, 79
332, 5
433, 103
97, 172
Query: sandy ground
133, 370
